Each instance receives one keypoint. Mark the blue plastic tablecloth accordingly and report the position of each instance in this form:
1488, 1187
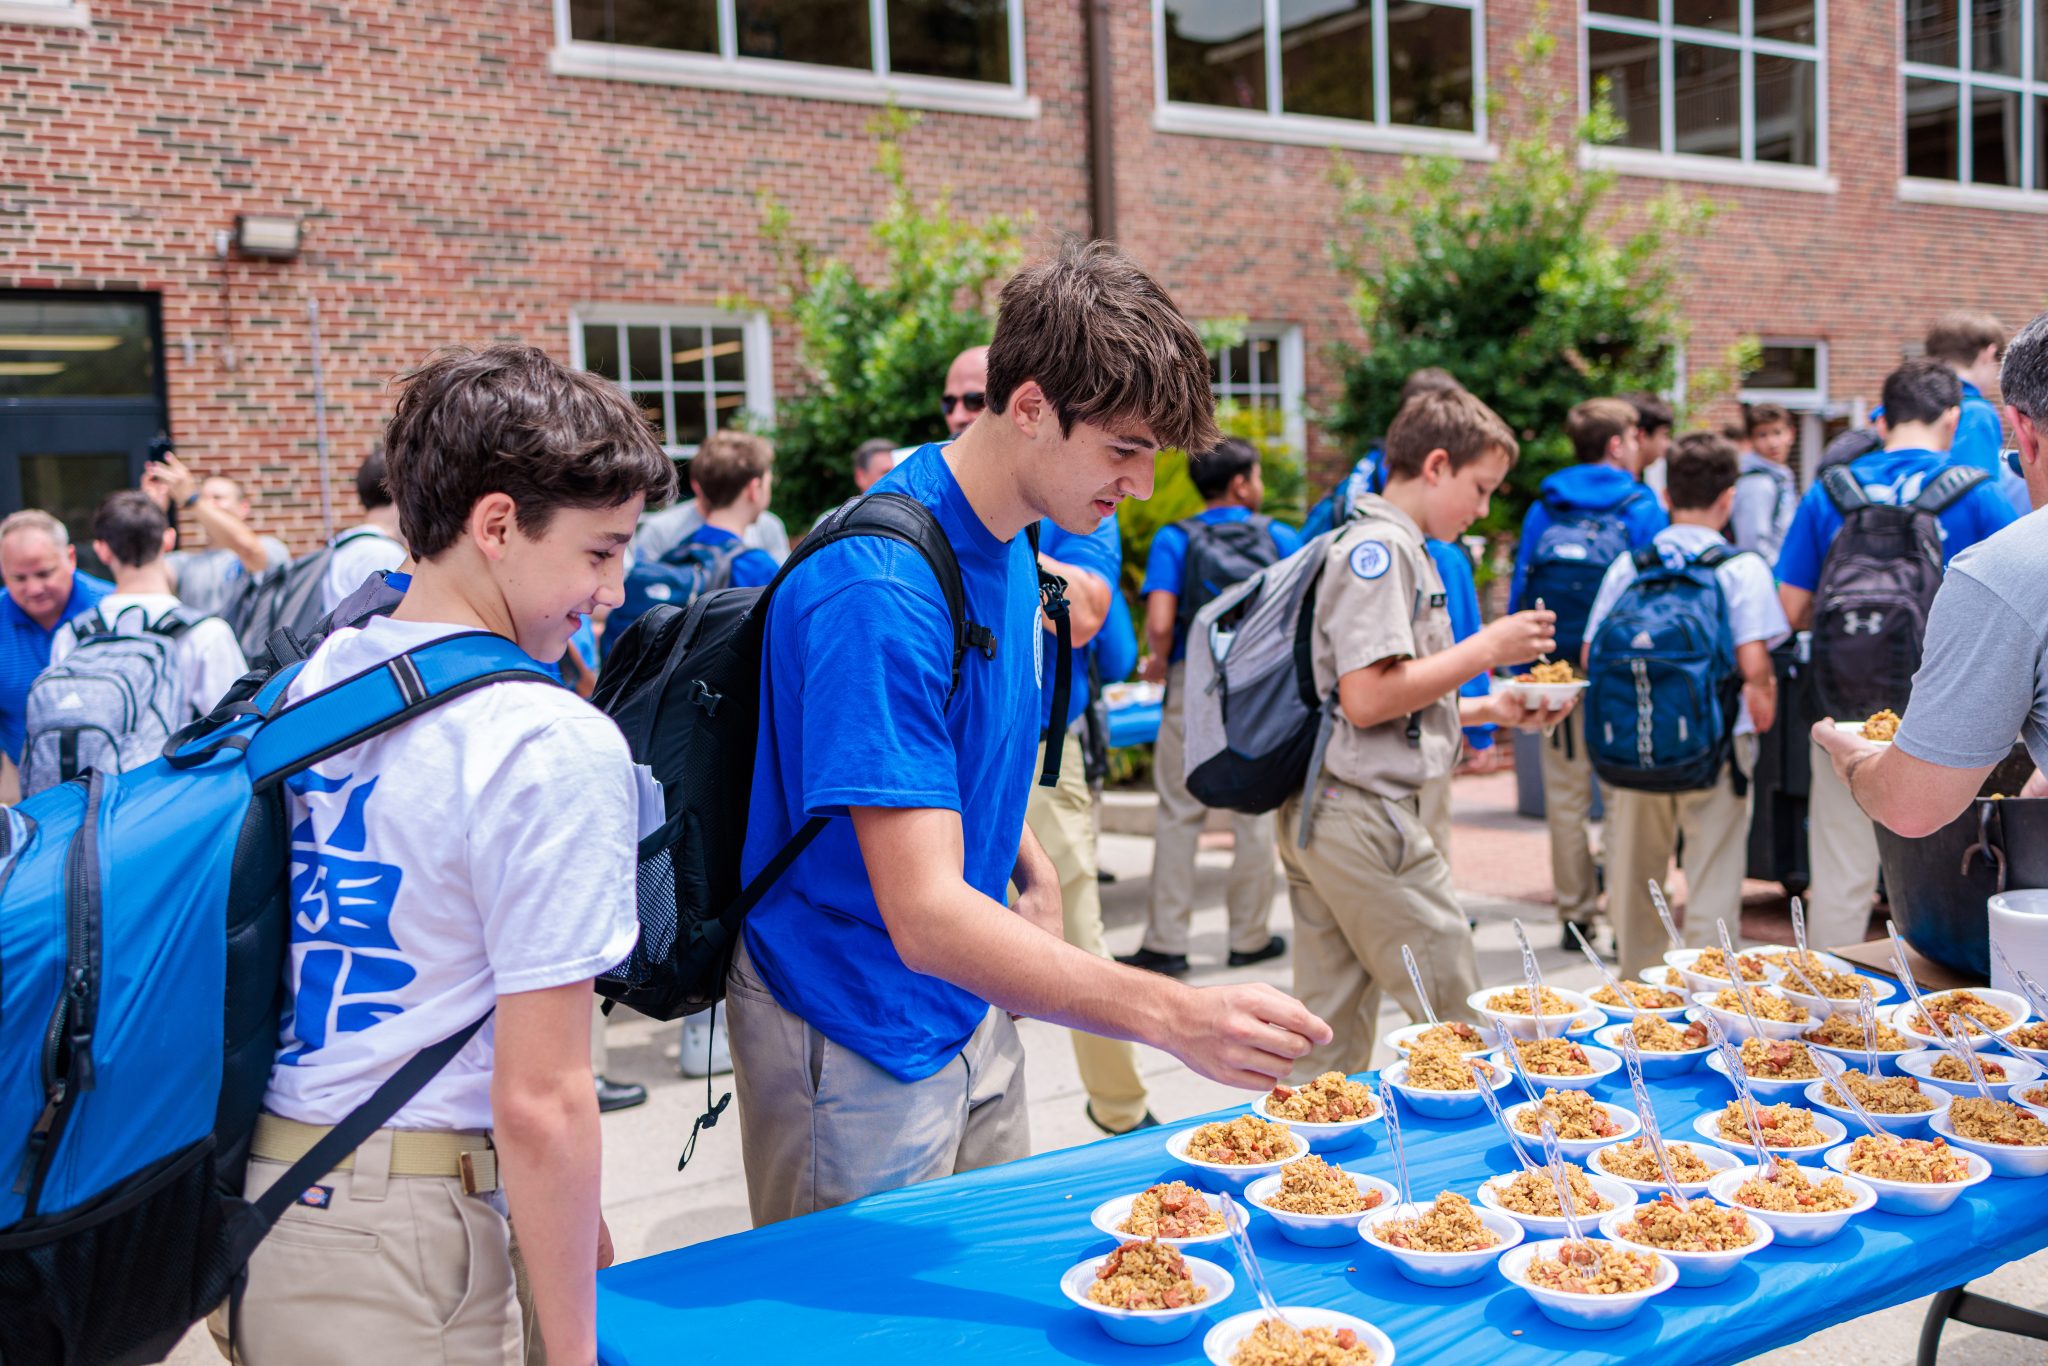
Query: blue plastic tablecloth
968, 1268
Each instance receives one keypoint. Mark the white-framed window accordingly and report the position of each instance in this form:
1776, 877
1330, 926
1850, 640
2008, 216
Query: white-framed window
691, 371
54, 13
1975, 76
1367, 73
1701, 82
1265, 371
1790, 372
963, 55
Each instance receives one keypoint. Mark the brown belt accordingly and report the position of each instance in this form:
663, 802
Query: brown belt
465, 1155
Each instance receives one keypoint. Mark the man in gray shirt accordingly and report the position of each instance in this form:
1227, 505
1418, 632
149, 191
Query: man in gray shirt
1984, 669
1766, 492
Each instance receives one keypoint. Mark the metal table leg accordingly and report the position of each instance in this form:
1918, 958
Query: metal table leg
1960, 1304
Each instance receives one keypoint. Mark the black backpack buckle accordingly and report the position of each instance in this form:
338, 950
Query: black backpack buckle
982, 639
701, 694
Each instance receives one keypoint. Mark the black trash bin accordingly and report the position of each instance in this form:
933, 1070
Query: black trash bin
1783, 778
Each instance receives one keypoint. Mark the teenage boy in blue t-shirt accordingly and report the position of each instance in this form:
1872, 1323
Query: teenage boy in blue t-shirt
732, 475
1232, 487
870, 1003
1922, 402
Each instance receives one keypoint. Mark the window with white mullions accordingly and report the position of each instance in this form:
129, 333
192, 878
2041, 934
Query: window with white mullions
1739, 80
1976, 92
1264, 371
1390, 63
690, 376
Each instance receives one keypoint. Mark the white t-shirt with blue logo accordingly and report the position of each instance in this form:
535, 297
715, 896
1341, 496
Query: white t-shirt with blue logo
482, 849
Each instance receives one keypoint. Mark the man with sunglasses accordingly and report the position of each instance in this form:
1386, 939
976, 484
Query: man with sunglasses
965, 394
1983, 675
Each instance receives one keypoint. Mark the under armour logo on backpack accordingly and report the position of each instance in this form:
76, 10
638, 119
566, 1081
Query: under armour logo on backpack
1862, 623
1643, 641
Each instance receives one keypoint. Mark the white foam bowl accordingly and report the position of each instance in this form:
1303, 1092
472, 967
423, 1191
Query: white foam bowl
1912, 1198
1616, 1193
1577, 1149
1585, 1022
1235, 1176
1112, 1212
1550, 695
1796, 1230
1221, 1343
1625, 1013
1568, 1310
1656, 1065
1319, 1230
1442, 1268
1720, 1159
1820, 1007
1325, 1138
1708, 1126
1902, 1126
1694, 1268
1776, 972
1533, 1026
2005, 1159
2015, 1006
1681, 961
1148, 1327
1736, 1021
1919, 1065
1666, 976
1444, 1104
1605, 1064
1887, 1063
1767, 1090
1855, 728
1403, 1039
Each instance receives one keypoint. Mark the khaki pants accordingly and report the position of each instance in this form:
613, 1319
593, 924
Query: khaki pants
1568, 810
1643, 830
1063, 818
1371, 880
1841, 854
1435, 804
821, 1125
394, 1269
1249, 893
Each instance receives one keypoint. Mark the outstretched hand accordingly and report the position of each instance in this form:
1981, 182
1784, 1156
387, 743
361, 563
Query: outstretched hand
1247, 1036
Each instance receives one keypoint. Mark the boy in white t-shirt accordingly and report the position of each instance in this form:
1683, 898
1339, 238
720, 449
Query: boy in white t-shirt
479, 858
133, 539
372, 544
1643, 827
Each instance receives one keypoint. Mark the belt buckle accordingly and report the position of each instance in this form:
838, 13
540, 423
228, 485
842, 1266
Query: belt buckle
465, 1166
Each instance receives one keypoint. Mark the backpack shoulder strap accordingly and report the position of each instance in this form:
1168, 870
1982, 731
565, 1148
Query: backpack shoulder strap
1052, 600
1647, 560
1714, 556
1843, 490
1940, 493
176, 622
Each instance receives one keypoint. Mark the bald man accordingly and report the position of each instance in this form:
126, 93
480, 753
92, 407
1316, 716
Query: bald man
966, 380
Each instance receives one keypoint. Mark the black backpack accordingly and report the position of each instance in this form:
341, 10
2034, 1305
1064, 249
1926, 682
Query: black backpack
283, 597
683, 684
1219, 556
1876, 586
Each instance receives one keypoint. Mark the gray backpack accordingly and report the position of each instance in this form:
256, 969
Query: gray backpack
112, 703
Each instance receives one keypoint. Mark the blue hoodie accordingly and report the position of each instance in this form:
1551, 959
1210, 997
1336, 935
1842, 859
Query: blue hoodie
1591, 488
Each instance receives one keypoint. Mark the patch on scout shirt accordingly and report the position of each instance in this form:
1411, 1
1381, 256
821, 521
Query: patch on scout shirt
1370, 559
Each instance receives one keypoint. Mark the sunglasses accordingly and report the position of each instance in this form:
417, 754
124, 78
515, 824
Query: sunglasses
973, 402
2012, 462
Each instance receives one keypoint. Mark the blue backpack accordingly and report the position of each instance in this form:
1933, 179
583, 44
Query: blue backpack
1570, 558
677, 579
142, 982
1662, 689
1335, 507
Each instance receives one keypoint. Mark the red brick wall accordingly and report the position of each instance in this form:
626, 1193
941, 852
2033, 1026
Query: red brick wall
452, 190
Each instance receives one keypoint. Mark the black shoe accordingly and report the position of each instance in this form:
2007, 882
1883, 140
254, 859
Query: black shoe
1565, 940
1104, 877
1148, 1122
619, 1095
1172, 964
1274, 948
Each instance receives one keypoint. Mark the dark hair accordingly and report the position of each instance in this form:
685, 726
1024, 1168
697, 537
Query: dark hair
865, 453
2023, 378
1920, 390
1594, 423
509, 419
131, 526
1449, 420
373, 481
1428, 380
1105, 343
1653, 414
1763, 415
1960, 337
1701, 467
725, 463
1735, 432
1213, 470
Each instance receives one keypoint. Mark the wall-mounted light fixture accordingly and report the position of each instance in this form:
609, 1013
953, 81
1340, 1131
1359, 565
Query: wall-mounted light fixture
268, 237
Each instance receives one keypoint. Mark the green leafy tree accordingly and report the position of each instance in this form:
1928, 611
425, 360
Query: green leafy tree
873, 352
1526, 280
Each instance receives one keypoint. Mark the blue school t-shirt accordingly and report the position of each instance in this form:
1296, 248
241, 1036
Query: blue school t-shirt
750, 568
859, 656
1461, 600
1101, 553
1887, 477
1166, 566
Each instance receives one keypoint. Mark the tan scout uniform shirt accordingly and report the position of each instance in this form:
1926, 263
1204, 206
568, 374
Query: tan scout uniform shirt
1381, 599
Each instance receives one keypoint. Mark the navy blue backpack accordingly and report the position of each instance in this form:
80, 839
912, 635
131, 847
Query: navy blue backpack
677, 579
144, 921
1570, 558
1663, 692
